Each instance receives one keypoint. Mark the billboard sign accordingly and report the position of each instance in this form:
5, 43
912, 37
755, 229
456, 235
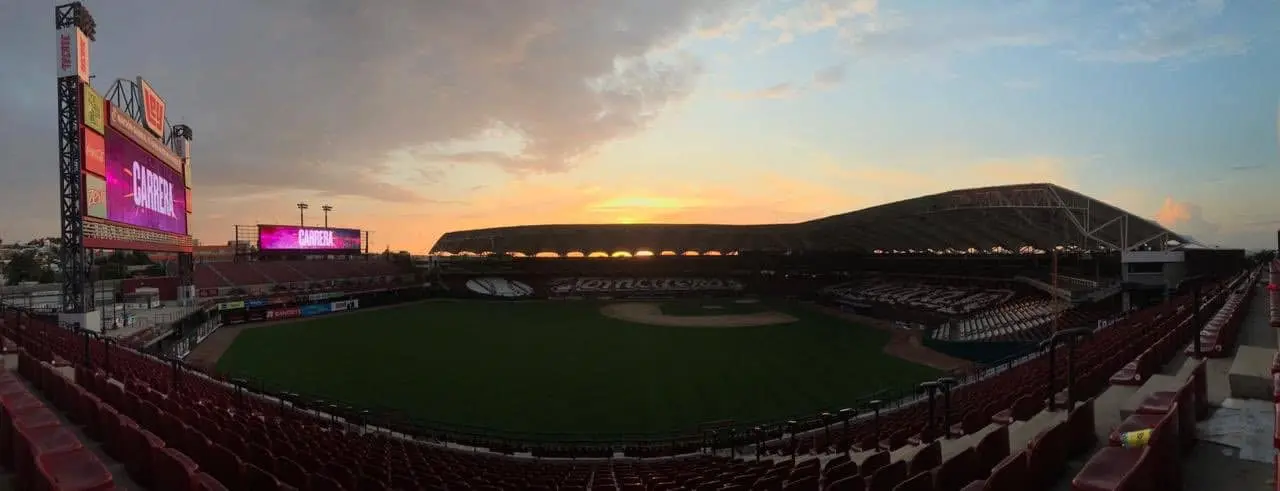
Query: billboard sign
73, 53
344, 305
95, 196
284, 313
95, 110
95, 153
122, 122
142, 190
303, 239
316, 309
152, 108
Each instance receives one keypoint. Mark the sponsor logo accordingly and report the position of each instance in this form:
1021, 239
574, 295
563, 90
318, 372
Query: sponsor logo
95, 153
152, 108
95, 196
231, 305
314, 238
565, 286
499, 287
284, 313
255, 303
152, 192
344, 305
309, 310
73, 54
95, 111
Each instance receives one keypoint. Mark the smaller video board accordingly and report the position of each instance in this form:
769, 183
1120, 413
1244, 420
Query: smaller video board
292, 238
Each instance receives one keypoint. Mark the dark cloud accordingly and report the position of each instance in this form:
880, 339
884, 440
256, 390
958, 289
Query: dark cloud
313, 94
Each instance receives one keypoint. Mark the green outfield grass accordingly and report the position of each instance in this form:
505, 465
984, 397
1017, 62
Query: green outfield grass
561, 367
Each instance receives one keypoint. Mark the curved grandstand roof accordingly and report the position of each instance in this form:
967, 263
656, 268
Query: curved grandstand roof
1011, 217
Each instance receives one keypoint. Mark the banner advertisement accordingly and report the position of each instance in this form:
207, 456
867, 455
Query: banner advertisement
278, 314
204, 292
95, 110
152, 109
294, 238
231, 305
73, 53
344, 305
310, 310
141, 190
255, 303
95, 153
257, 316
95, 197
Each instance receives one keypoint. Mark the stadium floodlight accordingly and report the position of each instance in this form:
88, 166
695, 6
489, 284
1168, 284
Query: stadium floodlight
326, 209
302, 214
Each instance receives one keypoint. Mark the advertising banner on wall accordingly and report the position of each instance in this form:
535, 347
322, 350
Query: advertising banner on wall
95, 196
95, 153
310, 310
231, 305
73, 53
95, 110
141, 190
152, 108
344, 305
305, 239
278, 314
255, 303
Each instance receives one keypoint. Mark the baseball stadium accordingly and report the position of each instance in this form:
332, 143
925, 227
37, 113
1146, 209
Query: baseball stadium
1007, 338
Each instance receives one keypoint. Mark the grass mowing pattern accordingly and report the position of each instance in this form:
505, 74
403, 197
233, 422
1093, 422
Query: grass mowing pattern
561, 367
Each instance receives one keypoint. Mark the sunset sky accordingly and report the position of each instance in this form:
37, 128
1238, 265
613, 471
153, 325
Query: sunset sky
417, 117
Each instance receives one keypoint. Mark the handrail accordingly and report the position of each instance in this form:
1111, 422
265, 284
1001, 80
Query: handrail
657, 444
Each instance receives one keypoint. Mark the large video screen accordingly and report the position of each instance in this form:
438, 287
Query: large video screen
142, 190
304, 239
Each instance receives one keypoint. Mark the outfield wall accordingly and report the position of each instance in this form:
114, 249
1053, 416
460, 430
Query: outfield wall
530, 287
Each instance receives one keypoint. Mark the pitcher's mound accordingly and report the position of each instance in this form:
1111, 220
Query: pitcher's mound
651, 313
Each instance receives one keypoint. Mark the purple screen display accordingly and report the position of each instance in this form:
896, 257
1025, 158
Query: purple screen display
142, 190
291, 238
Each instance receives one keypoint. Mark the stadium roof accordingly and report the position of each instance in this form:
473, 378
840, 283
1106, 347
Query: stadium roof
1010, 217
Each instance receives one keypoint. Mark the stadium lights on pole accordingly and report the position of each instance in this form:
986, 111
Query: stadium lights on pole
326, 209
302, 217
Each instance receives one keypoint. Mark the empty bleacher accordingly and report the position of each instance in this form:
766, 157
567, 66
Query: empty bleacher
266, 276
177, 426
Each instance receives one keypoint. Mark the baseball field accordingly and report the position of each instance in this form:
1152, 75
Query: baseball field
578, 368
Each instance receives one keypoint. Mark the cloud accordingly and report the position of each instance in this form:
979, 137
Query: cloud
780, 91
313, 95
1186, 218
829, 77
1150, 31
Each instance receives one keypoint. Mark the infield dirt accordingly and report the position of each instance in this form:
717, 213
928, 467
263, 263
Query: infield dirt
651, 313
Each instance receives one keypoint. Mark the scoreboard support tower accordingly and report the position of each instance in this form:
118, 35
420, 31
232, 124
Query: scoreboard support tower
77, 297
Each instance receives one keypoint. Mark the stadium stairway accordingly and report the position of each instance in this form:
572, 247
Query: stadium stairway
43, 446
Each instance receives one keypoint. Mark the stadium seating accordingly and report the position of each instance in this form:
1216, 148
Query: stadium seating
265, 276
179, 429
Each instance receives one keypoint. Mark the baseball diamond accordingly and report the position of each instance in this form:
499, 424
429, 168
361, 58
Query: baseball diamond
576, 369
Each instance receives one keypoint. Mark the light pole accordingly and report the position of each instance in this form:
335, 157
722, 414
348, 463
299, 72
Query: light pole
302, 214
326, 209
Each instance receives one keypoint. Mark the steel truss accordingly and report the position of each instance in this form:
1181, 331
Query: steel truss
1075, 213
77, 297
